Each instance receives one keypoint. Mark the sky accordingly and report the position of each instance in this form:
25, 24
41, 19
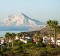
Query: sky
41, 10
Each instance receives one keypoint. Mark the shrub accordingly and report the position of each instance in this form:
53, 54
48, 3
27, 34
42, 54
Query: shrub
43, 53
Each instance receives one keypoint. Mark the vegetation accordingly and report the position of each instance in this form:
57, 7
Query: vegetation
29, 49
36, 47
53, 24
8, 36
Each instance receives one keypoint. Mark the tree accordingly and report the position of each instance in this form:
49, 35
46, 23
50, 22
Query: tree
36, 37
8, 36
13, 37
53, 24
19, 35
50, 26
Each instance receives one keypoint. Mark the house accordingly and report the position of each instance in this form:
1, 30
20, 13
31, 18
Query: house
24, 41
58, 35
16, 38
2, 41
23, 38
58, 41
46, 39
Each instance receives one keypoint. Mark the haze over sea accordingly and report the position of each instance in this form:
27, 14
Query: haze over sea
2, 33
3, 30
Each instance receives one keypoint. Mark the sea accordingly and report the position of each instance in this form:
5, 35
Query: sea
2, 33
3, 30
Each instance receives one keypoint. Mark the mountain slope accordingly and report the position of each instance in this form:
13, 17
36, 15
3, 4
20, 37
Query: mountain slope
13, 20
20, 23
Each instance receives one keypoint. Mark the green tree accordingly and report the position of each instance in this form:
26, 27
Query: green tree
50, 26
53, 24
7, 36
13, 37
36, 35
19, 35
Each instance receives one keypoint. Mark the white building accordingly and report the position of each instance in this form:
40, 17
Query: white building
46, 39
2, 41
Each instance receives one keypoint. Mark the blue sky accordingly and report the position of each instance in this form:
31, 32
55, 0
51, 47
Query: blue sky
41, 10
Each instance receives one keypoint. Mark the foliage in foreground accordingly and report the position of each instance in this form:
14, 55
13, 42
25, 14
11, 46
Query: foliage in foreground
29, 49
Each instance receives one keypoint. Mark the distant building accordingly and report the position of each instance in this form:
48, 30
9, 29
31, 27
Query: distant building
58, 41
58, 35
2, 41
16, 38
47, 40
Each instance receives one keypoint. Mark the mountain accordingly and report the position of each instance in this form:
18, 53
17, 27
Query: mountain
13, 20
20, 23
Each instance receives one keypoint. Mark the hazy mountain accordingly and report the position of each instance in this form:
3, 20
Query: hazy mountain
13, 20
22, 23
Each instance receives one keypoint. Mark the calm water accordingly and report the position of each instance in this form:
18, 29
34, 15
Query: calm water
2, 33
3, 30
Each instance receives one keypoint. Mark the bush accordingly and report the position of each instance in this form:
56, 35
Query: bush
18, 42
10, 53
43, 53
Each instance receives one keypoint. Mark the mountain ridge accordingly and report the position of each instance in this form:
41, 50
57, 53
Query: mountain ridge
13, 20
20, 23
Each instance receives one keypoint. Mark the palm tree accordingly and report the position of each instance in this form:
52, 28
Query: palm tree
50, 26
8, 36
36, 37
19, 35
13, 37
53, 24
